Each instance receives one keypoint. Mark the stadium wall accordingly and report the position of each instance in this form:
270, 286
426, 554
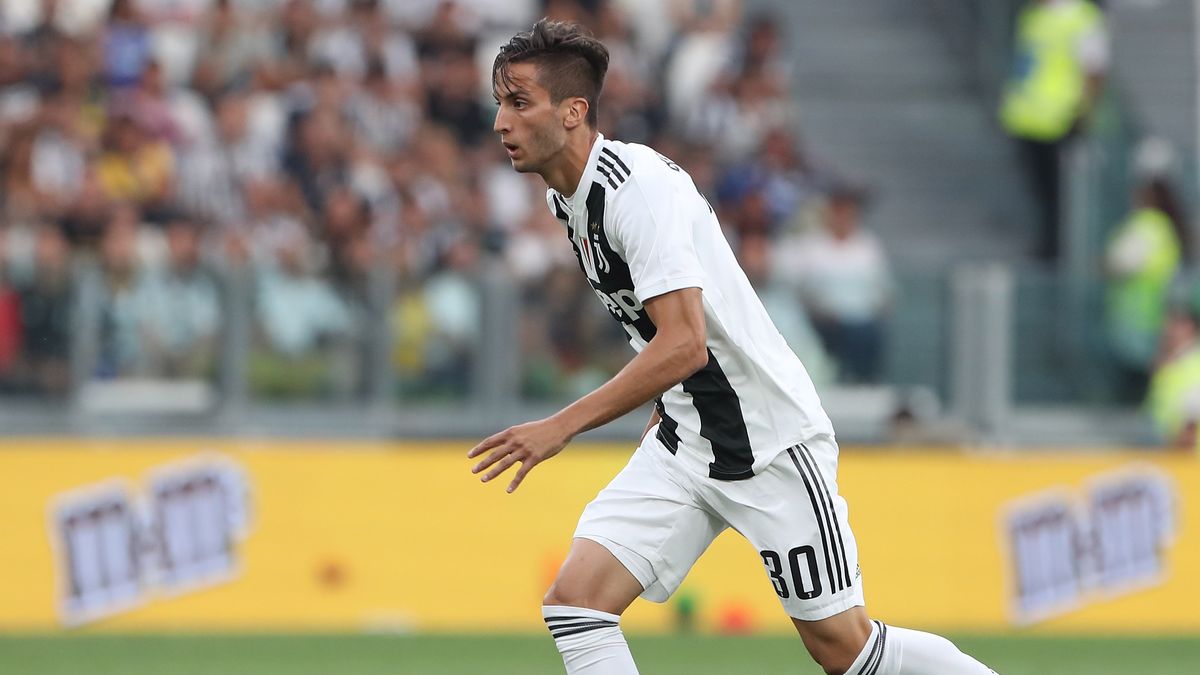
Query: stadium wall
135, 535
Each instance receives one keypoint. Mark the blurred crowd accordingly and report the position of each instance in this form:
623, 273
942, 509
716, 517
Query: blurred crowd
304, 145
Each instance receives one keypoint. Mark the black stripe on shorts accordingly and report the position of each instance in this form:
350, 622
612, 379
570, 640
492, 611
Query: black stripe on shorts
835, 527
818, 514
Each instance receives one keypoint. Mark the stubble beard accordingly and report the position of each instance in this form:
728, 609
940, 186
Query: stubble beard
537, 153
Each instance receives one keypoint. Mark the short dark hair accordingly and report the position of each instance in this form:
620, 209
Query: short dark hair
570, 61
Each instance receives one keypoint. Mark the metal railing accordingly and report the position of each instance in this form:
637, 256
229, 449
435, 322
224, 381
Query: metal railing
979, 341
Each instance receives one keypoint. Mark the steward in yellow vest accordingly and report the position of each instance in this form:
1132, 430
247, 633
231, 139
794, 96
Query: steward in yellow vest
1059, 63
1053, 78
1174, 398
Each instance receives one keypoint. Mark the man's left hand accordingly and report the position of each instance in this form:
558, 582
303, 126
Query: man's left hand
530, 444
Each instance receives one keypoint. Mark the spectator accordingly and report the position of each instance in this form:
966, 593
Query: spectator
454, 307
347, 222
237, 39
303, 323
120, 334
1174, 394
213, 172
45, 304
18, 96
40, 43
86, 215
842, 271
179, 309
454, 98
10, 325
785, 308
148, 103
704, 46
23, 201
773, 188
1060, 62
137, 168
317, 155
59, 155
75, 102
127, 48
383, 114
1143, 258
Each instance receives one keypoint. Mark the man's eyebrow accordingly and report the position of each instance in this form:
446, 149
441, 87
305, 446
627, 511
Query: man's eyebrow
512, 93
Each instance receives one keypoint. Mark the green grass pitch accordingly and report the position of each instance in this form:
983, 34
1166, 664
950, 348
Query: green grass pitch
535, 655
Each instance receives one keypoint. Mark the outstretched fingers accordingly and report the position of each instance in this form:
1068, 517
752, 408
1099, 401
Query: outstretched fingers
495, 440
496, 455
501, 466
526, 465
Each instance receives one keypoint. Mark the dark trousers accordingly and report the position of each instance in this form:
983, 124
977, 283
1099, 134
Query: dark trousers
855, 345
1041, 161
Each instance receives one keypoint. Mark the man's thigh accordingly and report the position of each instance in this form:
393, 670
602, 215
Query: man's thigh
594, 578
793, 515
651, 521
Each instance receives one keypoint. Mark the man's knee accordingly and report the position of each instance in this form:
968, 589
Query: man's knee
836, 642
566, 592
593, 578
579, 588
834, 659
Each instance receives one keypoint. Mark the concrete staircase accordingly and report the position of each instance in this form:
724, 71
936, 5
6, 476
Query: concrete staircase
884, 99
1154, 65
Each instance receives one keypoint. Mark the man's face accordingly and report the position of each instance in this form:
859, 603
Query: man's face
529, 124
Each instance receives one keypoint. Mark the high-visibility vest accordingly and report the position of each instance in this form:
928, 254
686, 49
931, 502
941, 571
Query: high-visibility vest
1046, 87
1137, 304
1174, 396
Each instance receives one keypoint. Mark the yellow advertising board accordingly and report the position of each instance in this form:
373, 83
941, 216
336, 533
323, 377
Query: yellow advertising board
131, 535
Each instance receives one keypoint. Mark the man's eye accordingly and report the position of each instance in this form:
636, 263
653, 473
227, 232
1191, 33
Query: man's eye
519, 103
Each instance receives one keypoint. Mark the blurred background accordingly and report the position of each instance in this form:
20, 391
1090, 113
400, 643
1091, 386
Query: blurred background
265, 270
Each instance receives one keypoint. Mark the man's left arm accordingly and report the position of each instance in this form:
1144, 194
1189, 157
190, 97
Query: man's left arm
677, 350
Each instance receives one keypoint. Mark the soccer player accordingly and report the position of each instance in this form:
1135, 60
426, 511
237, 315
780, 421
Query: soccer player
738, 437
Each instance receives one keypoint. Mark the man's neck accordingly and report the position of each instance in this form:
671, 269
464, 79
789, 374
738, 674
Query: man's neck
565, 174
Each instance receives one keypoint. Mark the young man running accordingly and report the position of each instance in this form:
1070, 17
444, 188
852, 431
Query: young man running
738, 437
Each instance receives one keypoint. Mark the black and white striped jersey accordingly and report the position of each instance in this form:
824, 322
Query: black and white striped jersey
640, 229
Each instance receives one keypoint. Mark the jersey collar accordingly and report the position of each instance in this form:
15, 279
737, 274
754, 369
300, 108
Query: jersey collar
578, 200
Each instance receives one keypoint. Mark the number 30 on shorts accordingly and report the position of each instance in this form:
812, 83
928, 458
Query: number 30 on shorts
807, 586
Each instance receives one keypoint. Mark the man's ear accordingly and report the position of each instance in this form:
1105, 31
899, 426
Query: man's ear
576, 113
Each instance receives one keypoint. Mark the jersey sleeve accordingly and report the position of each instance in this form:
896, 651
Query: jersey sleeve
652, 223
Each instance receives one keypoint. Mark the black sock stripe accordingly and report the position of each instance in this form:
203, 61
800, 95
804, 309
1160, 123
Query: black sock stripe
582, 629
881, 640
612, 154
559, 619
836, 527
812, 497
576, 622
559, 630
870, 665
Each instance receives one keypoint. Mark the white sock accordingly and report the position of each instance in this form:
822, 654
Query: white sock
900, 651
590, 641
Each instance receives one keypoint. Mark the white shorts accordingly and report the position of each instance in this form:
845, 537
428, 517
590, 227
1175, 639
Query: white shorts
657, 519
